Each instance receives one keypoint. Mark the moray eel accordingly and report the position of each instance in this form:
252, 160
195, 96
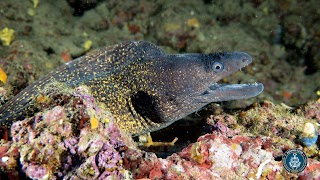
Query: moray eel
145, 88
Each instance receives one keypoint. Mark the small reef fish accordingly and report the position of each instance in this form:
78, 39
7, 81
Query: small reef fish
144, 88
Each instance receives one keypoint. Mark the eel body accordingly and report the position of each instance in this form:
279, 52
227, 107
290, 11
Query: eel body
145, 88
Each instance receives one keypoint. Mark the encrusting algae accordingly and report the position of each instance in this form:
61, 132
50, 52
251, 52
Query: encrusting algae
60, 142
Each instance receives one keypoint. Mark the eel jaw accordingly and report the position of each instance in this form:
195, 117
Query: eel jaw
226, 92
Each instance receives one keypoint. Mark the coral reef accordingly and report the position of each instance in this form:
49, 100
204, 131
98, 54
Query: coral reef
75, 137
215, 156
74, 133
282, 125
62, 142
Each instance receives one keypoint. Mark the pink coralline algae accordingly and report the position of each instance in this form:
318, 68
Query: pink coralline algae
60, 142
215, 156
51, 144
312, 110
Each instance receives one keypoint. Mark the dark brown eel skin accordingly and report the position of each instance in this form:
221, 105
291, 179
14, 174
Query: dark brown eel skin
144, 88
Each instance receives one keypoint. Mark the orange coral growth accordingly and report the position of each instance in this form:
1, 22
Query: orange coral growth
3, 76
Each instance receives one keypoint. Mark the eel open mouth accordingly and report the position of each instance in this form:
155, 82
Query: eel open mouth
236, 91
226, 92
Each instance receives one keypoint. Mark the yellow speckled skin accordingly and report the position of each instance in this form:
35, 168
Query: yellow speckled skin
144, 88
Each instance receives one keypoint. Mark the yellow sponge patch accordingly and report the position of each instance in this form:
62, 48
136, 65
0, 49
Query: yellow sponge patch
7, 35
94, 122
3, 76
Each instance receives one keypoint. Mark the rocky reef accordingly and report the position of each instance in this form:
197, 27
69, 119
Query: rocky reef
75, 137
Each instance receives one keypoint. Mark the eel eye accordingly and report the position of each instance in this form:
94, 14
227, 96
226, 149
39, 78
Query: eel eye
217, 67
